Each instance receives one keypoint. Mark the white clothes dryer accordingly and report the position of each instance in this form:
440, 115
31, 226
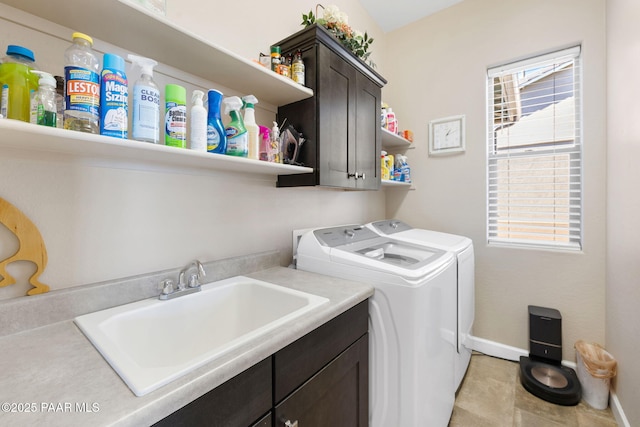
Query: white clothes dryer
411, 319
462, 247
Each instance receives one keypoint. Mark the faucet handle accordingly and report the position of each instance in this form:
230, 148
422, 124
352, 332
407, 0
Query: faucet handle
200, 268
193, 281
167, 286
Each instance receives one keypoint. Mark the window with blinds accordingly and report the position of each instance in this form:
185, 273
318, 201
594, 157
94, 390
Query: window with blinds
534, 152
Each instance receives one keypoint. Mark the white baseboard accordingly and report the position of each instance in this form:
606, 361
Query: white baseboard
618, 413
507, 352
495, 349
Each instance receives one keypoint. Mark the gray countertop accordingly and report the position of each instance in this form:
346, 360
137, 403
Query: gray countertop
52, 375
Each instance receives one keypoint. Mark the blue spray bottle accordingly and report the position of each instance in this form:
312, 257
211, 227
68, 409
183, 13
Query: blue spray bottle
114, 98
216, 137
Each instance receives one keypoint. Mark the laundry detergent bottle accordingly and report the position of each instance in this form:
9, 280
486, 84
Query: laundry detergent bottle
114, 97
146, 102
237, 136
216, 137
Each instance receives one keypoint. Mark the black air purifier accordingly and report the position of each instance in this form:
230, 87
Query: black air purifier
542, 373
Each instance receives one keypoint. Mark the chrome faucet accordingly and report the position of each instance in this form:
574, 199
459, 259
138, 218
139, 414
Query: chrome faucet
193, 284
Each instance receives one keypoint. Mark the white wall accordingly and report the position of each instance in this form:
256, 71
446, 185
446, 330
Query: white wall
439, 70
102, 221
251, 26
623, 200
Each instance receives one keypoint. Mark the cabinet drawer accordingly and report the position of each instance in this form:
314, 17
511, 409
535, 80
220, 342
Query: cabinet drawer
335, 396
238, 402
299, 361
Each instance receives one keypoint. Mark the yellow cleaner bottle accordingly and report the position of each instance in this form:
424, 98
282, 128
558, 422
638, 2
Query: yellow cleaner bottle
253, 131
82, 88
114, 97
237, 137
145, 117
175, 118
198, 123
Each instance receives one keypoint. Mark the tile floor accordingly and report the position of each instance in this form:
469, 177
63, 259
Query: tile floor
491, 395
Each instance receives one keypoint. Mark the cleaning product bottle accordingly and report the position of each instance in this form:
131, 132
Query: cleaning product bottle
405, 170
276, 153
384, 170
82, 88
265, 143
175, 118
114, 97
45, 100
297, 68
146, 102
198, 122
390, 163
216, 137
253, 131
237, 137
391, 121
17, 83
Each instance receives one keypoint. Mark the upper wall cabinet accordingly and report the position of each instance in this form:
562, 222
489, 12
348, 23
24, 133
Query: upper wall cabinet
131, 27
341, 122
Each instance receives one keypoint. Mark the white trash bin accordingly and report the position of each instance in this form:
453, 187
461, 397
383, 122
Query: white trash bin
595, 368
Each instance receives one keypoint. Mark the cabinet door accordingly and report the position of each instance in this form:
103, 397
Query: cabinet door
265, 421
335, 396
238, 402
336, 120
367, 133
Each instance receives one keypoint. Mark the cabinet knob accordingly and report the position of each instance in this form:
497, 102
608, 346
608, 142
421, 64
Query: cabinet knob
356, 175
288, 423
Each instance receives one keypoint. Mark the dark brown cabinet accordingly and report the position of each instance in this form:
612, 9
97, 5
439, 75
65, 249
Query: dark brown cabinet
341, 122
241, 401
322, 379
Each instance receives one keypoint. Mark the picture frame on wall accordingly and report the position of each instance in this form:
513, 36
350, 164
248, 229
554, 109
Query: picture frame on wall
447, 135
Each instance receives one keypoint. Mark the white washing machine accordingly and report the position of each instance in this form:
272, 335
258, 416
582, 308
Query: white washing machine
411, 314
462, 247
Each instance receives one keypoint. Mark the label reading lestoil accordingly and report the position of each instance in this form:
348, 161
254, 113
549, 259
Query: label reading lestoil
83, 90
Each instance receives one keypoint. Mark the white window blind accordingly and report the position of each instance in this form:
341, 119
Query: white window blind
534, 173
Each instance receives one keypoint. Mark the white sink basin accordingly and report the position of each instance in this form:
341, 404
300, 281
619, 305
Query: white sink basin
151, 342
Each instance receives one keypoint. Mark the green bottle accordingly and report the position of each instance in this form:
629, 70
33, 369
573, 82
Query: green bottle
175, 119
17, 83
237, 136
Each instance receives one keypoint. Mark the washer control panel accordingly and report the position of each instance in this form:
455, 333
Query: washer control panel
343, 235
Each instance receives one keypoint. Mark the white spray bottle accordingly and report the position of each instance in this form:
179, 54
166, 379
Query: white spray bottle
146, 102
253, 130
198, 123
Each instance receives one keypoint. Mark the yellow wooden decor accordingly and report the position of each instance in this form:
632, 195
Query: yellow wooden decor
31, 247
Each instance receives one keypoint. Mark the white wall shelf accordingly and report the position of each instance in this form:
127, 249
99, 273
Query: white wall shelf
125, 153
133, 28
391, 140
396, 184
